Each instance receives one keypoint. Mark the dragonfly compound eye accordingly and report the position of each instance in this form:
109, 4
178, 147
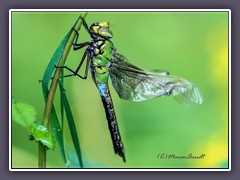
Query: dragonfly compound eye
105, 32
104, 24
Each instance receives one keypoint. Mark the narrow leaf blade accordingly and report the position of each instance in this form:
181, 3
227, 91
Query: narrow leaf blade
71, 123
58, 133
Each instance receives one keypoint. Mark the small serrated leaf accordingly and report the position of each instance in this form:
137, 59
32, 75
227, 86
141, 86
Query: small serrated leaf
23, 114
41, 133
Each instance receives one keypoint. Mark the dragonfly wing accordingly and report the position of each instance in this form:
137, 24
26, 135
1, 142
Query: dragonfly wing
162, 72
134, 84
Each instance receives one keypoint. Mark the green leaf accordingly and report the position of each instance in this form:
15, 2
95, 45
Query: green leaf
23, 114
41, 133
71, 123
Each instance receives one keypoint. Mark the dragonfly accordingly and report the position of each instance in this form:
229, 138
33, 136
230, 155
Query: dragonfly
130, 82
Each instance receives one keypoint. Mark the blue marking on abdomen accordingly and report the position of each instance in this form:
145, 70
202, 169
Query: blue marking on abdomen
108, 65
102, 88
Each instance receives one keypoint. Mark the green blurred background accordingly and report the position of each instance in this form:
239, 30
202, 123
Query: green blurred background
192, 45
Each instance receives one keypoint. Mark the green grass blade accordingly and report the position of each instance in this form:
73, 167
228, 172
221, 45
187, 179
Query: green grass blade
62, 121
71, 124
57, 130
61, 103
58, 134
54, 61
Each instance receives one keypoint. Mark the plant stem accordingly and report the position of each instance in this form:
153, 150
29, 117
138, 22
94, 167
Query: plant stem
52, 90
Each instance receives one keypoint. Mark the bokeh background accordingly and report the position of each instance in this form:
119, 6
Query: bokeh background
192, 45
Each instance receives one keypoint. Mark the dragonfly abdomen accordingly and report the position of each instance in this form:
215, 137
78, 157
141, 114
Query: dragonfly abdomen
111, 118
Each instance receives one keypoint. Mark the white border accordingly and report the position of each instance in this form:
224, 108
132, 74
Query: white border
229, 88
121, 10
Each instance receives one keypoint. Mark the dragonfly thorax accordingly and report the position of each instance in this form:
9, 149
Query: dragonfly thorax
102, 52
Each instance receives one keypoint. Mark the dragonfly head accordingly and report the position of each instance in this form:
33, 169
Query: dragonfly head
100, 30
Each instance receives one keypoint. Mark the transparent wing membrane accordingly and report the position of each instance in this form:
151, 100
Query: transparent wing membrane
134, 84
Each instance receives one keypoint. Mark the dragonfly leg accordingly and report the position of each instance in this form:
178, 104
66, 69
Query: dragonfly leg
75, 73
76, 45
85, 25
